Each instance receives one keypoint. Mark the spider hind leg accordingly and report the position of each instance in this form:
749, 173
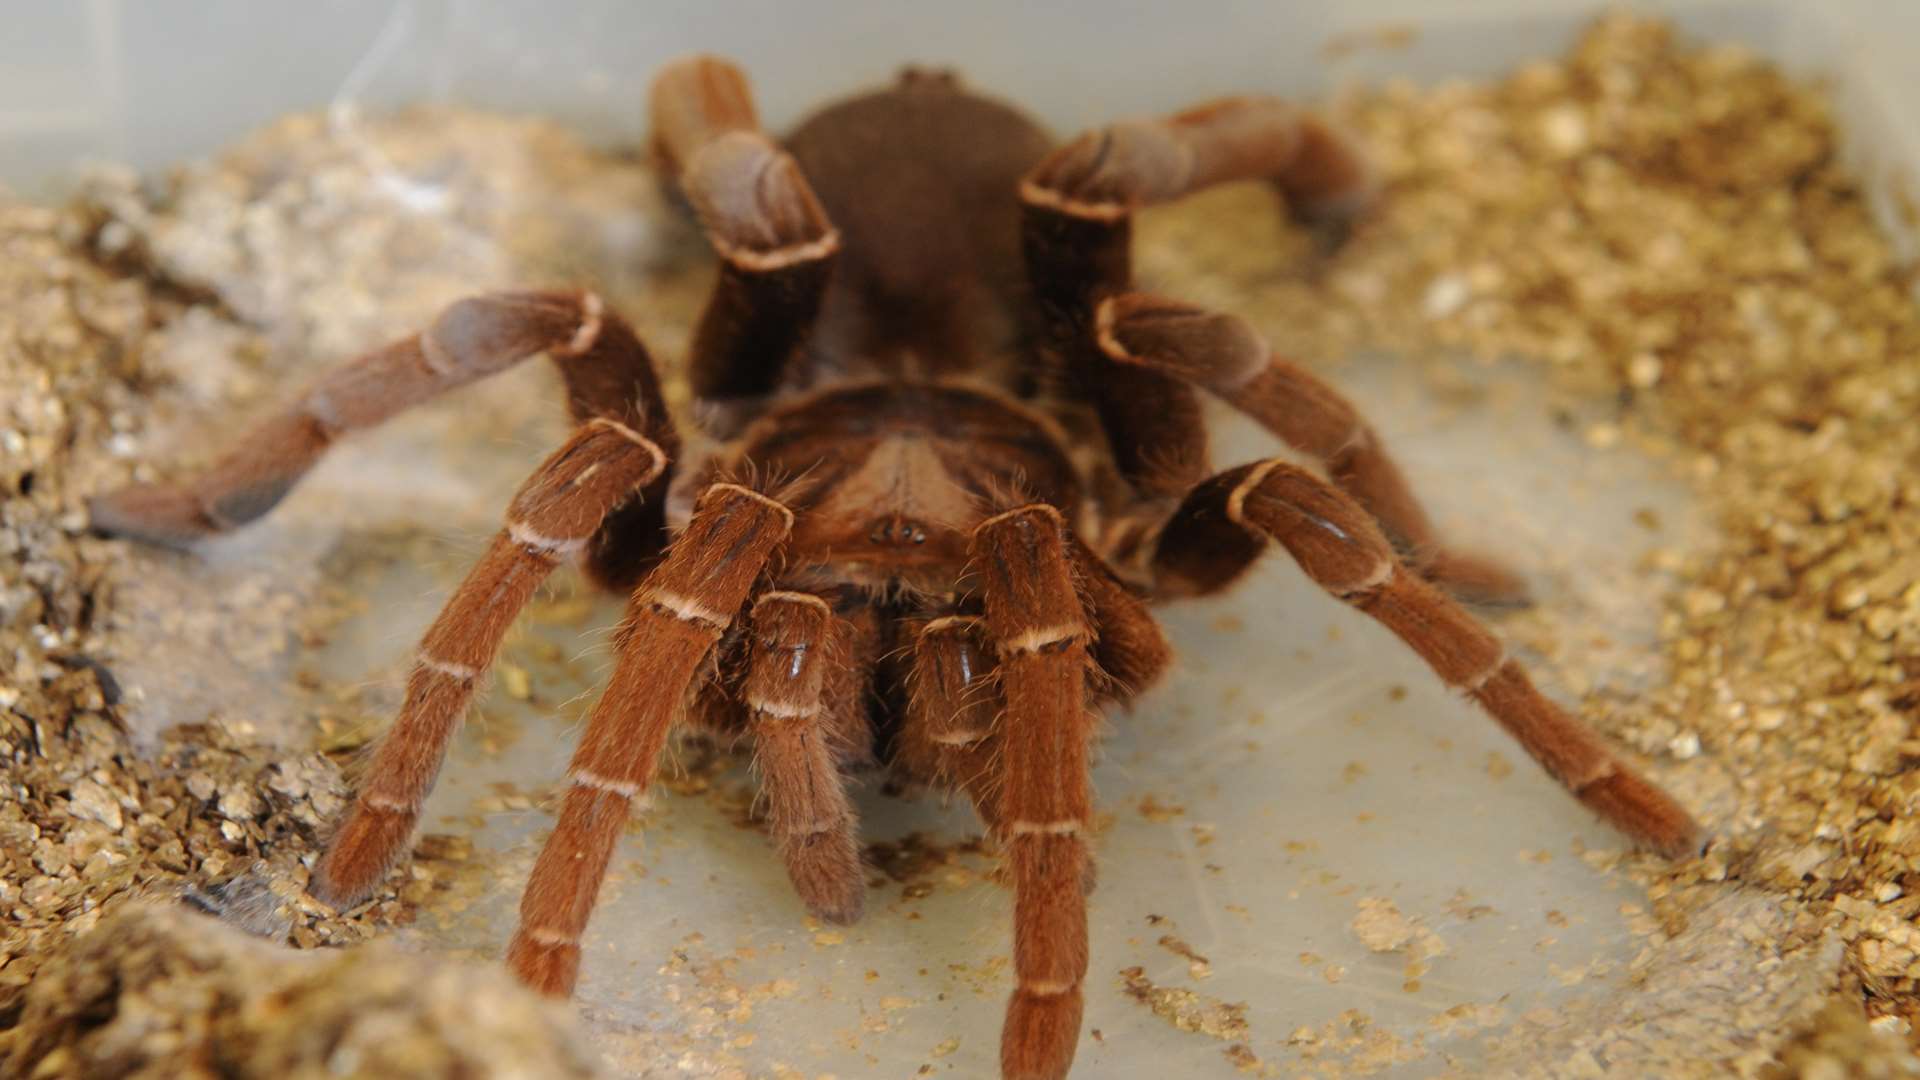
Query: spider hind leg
1225, 355
1340, 546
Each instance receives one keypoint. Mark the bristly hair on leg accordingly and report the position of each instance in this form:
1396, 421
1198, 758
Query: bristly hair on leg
832, 655
796, 490
1006, 493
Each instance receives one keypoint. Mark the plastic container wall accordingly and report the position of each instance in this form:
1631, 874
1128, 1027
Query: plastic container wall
151, 83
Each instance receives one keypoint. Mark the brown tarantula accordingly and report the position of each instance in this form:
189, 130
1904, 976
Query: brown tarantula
994, 461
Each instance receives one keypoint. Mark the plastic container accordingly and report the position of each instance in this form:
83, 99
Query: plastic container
1298, 761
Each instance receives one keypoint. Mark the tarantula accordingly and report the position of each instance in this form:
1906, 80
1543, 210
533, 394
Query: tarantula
993, 458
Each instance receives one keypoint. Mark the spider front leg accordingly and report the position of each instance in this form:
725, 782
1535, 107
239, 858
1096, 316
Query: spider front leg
952, 737
775, 243
952, 705
550, 520
673, 621
1342, 549
1041, 633
607, 371
792, 642
1226, 355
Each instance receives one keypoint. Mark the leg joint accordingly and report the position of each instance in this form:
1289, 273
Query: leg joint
951, 624
1237, 498
549, 547
586, 778
747, 492
552, 939
1042, 509
961, 738
782, 710
786, 596
1473, 683
455, 671
593, 311
652, 448
1375, 580
387, 804
1063, 827
1105, 211
1045, 639
687, 609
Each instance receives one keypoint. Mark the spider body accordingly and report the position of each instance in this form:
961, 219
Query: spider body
953, 458
903, 405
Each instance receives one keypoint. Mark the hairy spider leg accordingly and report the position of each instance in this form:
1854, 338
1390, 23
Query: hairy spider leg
951, 738
794, 641
551, 520
1339, 545
776, 246
605, 367
1040, 630
1130, 651
1226, 355
675, 617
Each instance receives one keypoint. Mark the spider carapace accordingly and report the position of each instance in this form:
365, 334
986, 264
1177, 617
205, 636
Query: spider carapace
953, 456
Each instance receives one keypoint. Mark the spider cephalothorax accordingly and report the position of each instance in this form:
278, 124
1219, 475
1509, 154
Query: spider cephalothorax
993, 461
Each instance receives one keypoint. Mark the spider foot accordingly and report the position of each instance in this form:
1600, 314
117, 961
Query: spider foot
831, 886
161, 516
546, 964
1646, 813
1041, 1033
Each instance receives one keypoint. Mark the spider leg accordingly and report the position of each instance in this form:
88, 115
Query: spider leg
1076, 232
551, 519
606, 369
1129, 648
1341, 548
1040, 630
1108, 173
774, 240
1227, 356
791, 642
676, 616
950, 736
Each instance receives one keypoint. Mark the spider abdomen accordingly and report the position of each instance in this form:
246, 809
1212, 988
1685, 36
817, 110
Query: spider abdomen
921, 180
